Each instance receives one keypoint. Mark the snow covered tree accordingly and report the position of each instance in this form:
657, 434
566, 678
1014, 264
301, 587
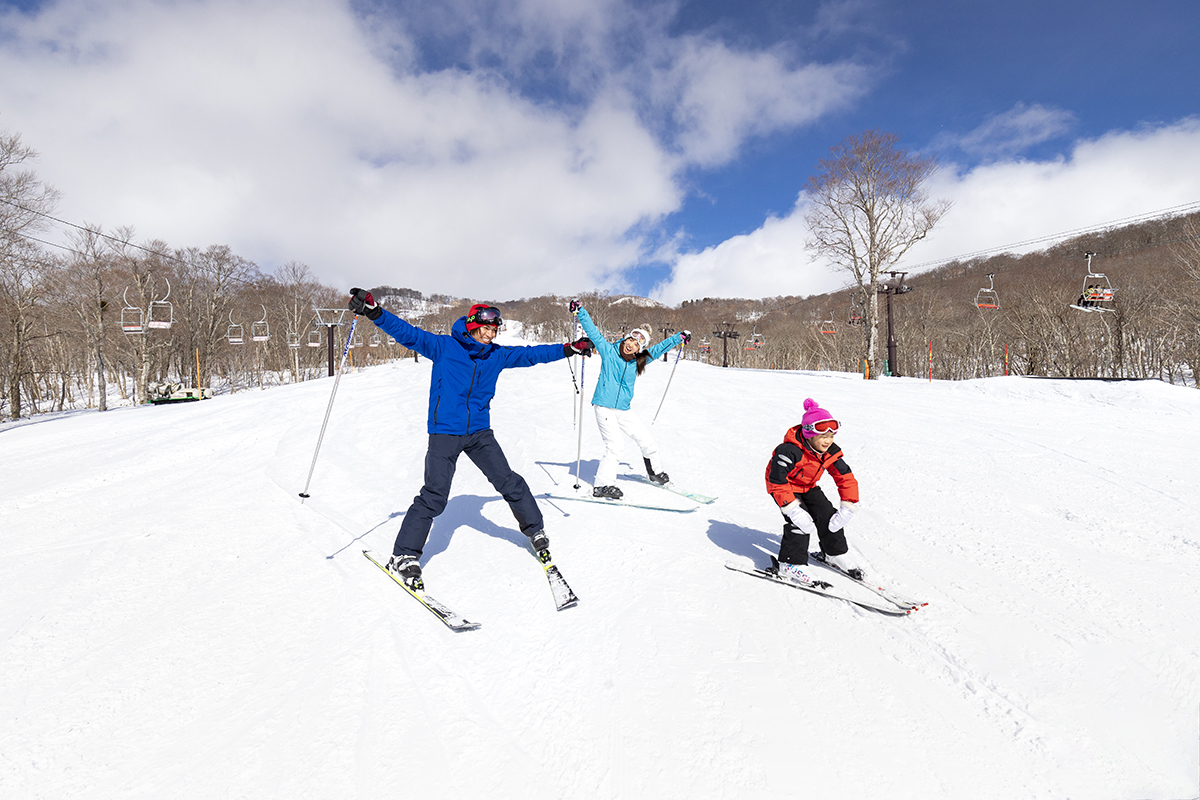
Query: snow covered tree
866, 207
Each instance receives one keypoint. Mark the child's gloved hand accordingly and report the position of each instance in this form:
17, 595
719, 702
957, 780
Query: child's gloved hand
841, 517
799, 517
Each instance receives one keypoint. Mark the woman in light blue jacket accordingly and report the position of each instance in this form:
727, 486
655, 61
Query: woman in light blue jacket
621, 363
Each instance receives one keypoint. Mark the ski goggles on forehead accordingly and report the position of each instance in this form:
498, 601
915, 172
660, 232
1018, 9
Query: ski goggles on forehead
485, 316
640, 336
824, 426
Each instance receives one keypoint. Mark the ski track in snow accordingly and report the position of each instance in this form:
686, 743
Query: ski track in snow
175, 623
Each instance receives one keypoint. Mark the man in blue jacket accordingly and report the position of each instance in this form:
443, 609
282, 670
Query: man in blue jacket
466, 365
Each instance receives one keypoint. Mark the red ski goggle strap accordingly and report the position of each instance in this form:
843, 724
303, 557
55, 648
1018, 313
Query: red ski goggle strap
824, 426
485, 316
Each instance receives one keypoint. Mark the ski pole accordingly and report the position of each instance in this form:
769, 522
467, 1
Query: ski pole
664, 397
329, 408
579, 447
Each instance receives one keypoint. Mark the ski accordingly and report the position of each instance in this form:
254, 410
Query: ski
610, 502
699, 498
452, 620
769, 575
885, 593
563, 596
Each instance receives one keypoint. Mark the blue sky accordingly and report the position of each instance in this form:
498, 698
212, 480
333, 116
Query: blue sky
515, 148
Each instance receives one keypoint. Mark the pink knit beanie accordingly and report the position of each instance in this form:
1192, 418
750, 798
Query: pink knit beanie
813, 414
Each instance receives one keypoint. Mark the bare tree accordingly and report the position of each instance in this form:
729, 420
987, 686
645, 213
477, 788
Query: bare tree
868, 206
24, 270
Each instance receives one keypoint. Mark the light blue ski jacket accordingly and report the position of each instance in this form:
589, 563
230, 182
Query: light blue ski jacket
614, 389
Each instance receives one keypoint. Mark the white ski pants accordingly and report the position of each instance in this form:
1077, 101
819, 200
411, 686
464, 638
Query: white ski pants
612, 423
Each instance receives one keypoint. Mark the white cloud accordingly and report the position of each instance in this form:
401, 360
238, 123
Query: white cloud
1014, 131
301, 132
1119, 175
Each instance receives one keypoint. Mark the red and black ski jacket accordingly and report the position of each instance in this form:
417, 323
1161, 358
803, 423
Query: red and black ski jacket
795, 468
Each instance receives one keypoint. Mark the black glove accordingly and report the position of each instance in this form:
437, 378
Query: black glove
575, 305
363, 304
686, 336
583, 347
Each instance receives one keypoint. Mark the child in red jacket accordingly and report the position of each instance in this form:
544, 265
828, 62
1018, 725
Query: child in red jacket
807, 453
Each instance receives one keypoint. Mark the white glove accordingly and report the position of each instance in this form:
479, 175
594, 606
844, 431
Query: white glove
841, 517
799, 517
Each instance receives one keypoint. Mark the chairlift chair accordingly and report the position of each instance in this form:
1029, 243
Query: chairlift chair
1097, 291
358, 340
987, 298
132, 319
260, 331
828, 328
314, 338
293, 340
234, 333
162, 313
856, 309
376, 340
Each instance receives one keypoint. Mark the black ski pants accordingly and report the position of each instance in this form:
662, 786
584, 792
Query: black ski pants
794, 547
441, 459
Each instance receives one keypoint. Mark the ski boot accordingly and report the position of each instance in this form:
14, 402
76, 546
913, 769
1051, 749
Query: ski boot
845, 563
608, 492
797, 573
407, 570
655, 477
539, 541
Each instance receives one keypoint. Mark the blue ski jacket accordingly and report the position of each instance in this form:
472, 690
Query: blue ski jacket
464, 371
614, 388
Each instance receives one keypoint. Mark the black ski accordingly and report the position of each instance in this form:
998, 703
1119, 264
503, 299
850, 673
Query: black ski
452, 620
885, 593
773, 576
563, 596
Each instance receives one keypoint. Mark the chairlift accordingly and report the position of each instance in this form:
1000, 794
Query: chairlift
234, 333
755, 340
705, 347
828, 328
856, 309
132, 319
260, 331
358, 340
1097, 291
314, 338
391, 340
293, 340
162, 313
987, 298
376, 340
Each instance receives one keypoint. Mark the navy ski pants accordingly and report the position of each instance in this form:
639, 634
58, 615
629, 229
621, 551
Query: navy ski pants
794, 547
441, 459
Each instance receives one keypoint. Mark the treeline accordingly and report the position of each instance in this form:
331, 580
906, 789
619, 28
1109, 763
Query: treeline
1151, 331
109, 316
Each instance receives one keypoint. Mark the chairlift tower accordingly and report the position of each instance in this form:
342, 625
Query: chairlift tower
895, 288
666, 330
330, 318
725, 336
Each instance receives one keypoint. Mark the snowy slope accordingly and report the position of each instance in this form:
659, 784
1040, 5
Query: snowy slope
174, 623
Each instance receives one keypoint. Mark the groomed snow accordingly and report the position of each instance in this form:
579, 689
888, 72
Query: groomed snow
174, 623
